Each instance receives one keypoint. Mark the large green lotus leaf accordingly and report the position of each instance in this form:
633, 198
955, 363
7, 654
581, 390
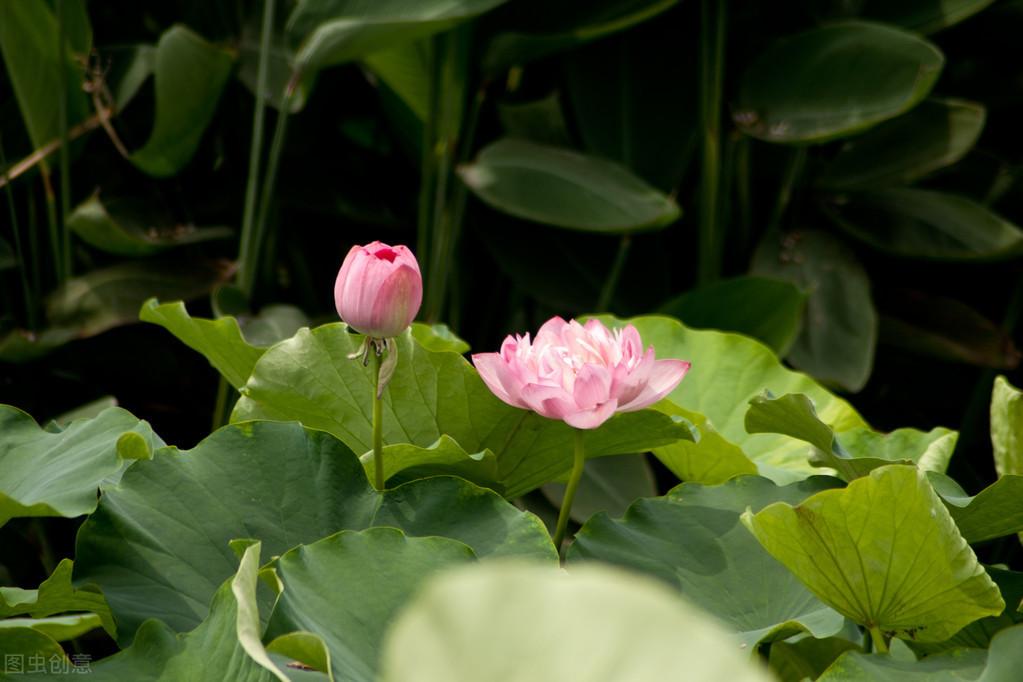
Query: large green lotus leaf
438, 337
839, 332
157, 545
696, 543
884, 552
406, 462
995, 511
565, 188
54, 596
512, 623
190, 75
833, 81
34, 59
608, 484
769, 310
727, 371
328, 32
127, 230
806, 658
712, 458
857, 451
348, 587
310, 377
923, 16
1007, 427
935, 134
923, 223
58, 474
551, 28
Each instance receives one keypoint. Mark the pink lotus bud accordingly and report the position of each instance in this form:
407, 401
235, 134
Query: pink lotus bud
379, 289
580, 374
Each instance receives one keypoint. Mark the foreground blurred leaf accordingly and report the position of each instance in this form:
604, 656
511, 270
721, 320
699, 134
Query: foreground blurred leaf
129, 232
1007, 427
34, 59
769, 310
498, 622
103, 299
935, 134
727, 371
859, 450
925, 224
190, 75
157, 545
329, 32
373, 574
565, 188
609, 485
839, 332
858, 548
923, 16
311, 378
58, 474
54, 596
833, 81
720, 566
548, 28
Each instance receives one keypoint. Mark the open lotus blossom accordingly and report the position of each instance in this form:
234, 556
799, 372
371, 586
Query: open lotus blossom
580, 374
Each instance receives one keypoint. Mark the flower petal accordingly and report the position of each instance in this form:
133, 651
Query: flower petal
491, 368
548, 401
592, 386
591, 419
664, 377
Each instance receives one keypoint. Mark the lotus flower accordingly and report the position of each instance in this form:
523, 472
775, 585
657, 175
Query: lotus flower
580, 374
379, 289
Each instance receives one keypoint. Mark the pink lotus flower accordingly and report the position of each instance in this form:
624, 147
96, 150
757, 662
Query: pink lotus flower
379, 289
581, 374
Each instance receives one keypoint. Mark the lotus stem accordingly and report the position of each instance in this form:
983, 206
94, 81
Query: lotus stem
880, 645
378, 421
578, 463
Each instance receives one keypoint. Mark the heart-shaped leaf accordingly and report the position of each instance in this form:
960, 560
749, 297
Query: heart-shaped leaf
566, 189
884, 552
833, 81
157, 546
719, 566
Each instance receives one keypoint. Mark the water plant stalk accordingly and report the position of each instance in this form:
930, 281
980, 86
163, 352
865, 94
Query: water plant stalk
378, 422
712, 41
65, 162
578, 464
611, 283
26, 290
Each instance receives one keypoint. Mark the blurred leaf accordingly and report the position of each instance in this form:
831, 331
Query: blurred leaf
438, 337
833, 81
128, 232
497, 623
102, 299
77, 27
947, 329
278, 66
757, 598
935, 134
622, 109
807, 658
887, 528
86, 411
769, 310
923, 16
565, 188
836, 344
727, 371
430, 394
405, 69
24, 643
329, 32
300, 486
58, 474
190, 76
1007, 427
60, 628
56, 595
551, 28
136, 69
8, 259
856, 666
28, 42
992, 513
21, 345
926, 224
541, 121
354, 613
859, 450
609, 485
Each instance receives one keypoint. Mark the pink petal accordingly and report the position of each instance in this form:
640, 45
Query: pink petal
548, 401
491, 368
553, 326
664, 377
592, 386
591, 419
396, 302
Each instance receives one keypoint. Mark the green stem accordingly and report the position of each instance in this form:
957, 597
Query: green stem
428, 168
378, 423
247, 264
46, 558
880, 646
744, 191
712, 41
51, 221
222, 409
30, 310
578, 463
65, 163
792, 172
611, 283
